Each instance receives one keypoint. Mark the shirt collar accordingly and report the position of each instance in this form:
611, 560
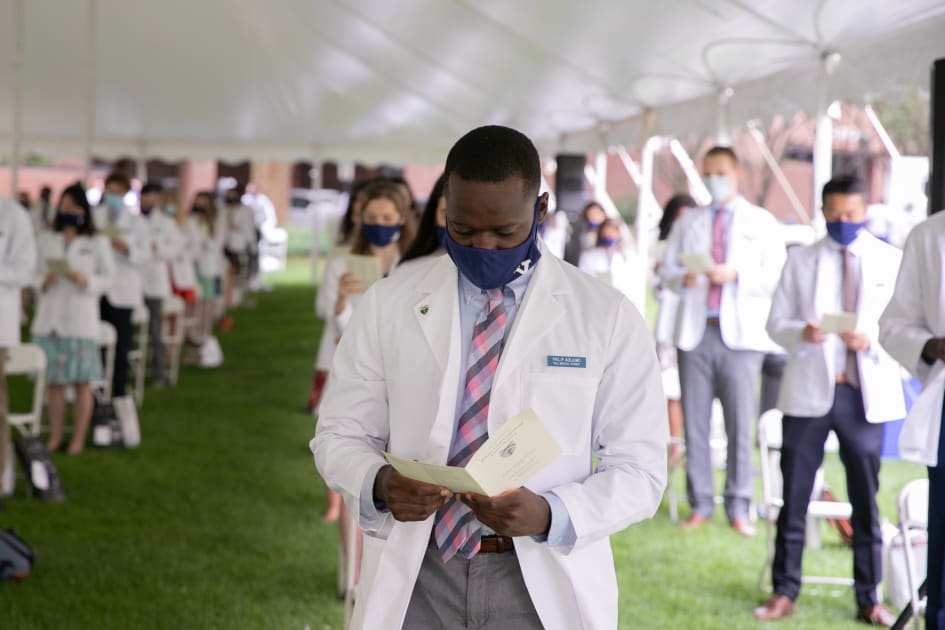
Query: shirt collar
856, 247
468, 291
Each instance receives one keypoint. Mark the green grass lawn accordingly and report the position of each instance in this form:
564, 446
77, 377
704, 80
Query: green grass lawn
214, 521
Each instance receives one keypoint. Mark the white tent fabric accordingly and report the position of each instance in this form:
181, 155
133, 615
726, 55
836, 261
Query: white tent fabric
400, 80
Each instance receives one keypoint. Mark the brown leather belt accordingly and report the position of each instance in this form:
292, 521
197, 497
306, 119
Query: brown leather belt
712, 321
496, 544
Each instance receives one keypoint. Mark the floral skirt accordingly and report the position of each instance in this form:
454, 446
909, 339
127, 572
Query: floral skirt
70, 360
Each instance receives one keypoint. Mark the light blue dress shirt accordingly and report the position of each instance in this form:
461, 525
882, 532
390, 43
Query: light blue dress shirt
472, 301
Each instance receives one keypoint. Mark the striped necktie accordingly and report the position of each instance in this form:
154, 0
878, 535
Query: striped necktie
456, 529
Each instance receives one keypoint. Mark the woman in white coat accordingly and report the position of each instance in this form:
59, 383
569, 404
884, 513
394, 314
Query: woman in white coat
75, 268
207, 227
611, 261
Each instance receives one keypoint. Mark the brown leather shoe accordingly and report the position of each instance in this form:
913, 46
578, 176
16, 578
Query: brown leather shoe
777, 607
694, 520
744, 527
876, 615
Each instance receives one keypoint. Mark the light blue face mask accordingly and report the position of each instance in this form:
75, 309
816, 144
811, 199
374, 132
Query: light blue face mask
114, 202
720, 188
170, 209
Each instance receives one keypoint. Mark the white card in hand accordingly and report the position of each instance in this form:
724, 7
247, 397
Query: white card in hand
517, 452
697, 262
367, 269
838, 322
57, 266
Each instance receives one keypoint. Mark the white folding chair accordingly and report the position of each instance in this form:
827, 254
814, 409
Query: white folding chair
914, 519
28, 359
138, 355
769, 443
107, 342
173, 334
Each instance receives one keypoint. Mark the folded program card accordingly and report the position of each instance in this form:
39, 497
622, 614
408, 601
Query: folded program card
698, 262
518, 451
57, 266
838, 322
367, 269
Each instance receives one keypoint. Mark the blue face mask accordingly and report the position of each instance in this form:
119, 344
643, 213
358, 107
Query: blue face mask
146, 211
593, 225
493, 268
70, 220
380, 235
440, 234
170, 209
844, 232
114, 202
609, 242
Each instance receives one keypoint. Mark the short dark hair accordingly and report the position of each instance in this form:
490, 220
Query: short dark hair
151, 187
719, 150
494, 154
77, 193
843, 185
671, 212
116, 177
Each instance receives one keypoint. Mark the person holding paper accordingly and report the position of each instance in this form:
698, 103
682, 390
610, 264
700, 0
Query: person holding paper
724, 262
131, 249
913, 330
841, 381
66, 325
612, 262
439, 358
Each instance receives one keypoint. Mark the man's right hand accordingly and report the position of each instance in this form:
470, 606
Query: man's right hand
812, 333
408, 500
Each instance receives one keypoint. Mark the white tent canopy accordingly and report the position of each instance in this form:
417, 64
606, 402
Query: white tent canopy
400, 80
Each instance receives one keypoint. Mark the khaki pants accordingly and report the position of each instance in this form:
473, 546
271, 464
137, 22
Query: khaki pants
4, 427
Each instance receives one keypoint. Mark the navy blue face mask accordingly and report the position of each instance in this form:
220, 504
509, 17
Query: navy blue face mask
70, 220
844, 232
146, 211
493, 268
380, 235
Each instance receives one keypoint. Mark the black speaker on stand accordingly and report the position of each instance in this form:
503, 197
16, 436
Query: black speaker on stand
937, 129
569, 191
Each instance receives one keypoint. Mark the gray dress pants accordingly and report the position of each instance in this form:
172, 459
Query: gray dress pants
708, 371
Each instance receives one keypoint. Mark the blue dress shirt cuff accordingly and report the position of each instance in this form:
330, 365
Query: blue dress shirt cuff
371, 509
561, 532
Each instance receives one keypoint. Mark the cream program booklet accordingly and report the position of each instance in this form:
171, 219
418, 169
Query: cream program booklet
57, 266
697, 263
516, 453
367, 269
838, 322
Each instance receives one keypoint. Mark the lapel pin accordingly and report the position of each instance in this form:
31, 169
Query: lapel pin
424, 309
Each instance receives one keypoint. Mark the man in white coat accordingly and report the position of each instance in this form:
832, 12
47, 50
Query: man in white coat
437, 358
17, 262
913, 330
724, 261
166, 245
131, 246
838, 379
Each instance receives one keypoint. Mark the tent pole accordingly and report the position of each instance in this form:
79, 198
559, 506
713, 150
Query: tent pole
696, 185
141, 168
600, 171
647, 209
90, 83
601, 196
723, 134
823, 138
799, 210
19, 26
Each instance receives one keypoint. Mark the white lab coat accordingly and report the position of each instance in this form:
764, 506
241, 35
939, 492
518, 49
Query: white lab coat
915, 314
65, 308
209, 246
393, 386
618, 269
806, 292
127, 290
240, 228
167, 242
755, 250
183, 273
17, 263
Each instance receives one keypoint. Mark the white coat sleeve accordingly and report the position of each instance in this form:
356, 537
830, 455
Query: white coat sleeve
785, 323
353, 424
761, 279
166, 242
101, 280
630, 436
139, 243
671, 271
585, 263
903, 328
18, 263
325, 299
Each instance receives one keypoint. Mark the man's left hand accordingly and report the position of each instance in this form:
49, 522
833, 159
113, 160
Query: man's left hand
855, 341
514, 513
721, 274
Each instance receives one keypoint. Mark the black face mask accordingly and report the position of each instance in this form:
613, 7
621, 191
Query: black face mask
198, 210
